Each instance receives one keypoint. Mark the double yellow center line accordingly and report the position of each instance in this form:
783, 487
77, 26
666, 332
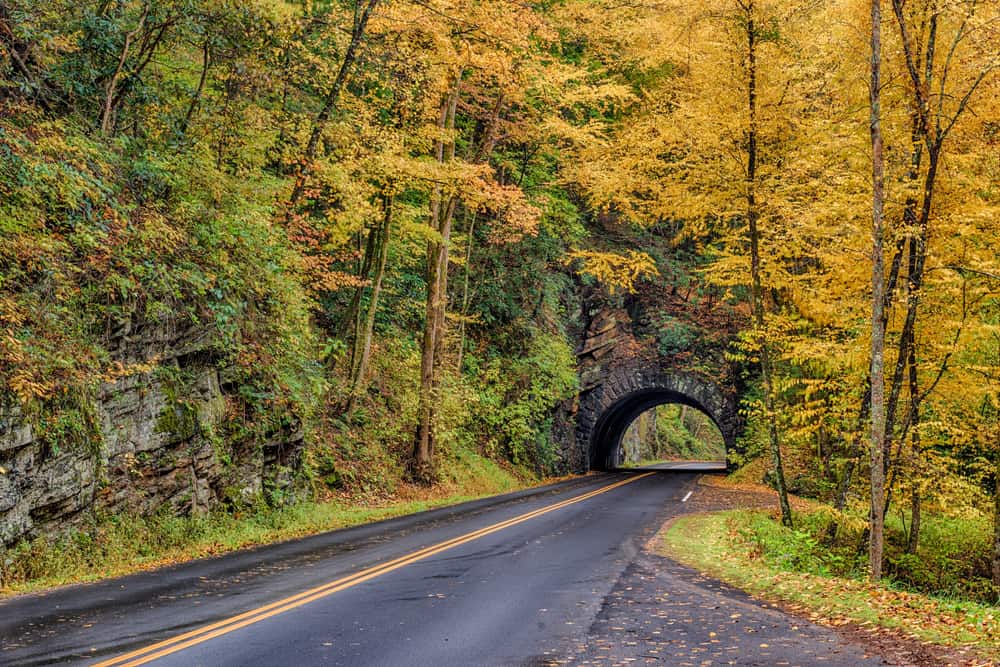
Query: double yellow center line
180, 642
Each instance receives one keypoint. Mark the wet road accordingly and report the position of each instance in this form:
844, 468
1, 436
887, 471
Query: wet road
527, 579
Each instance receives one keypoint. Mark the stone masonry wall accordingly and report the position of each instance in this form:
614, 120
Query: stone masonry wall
615, 364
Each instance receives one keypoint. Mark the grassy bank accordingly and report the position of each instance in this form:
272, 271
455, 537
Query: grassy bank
122, 544
728, 545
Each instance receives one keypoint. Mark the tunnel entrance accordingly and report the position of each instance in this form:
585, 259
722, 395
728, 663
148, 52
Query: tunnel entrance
670, 434
609, 408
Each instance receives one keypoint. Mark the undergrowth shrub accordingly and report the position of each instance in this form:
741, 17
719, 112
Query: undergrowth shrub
516, 399
102, 240
952, 559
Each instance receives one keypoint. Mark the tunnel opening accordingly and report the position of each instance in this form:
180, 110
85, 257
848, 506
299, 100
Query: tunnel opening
670, 436
657, 427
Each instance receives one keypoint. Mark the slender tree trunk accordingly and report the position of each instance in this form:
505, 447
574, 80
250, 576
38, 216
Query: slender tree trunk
352, 317
915, 274
996, 514
757, 291
485, 149
996, 489
877, 516
840, 500
858, 443
110, 89
441, 304
444, 259
931, 129
853, 459
470, 231
422, 444
913, 540
360, 25
437, 264
442, 215
206, 63
363, 336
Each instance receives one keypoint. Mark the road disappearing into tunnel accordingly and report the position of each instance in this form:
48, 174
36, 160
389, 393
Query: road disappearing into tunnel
609, 409
547, 576
670, 436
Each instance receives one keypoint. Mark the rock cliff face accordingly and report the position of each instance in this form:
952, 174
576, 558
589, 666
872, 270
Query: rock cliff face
155, 442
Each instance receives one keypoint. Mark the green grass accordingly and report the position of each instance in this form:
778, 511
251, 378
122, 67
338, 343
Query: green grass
650, 462
718, 545
120, 544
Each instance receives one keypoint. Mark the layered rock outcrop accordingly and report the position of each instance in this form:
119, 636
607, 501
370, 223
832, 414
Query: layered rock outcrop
156, 445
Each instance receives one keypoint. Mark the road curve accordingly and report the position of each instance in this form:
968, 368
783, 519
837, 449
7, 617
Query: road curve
559, 551
519, 580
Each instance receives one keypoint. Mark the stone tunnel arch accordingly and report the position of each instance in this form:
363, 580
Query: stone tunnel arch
607, 409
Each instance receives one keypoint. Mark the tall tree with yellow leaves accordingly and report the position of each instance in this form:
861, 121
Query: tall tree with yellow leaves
877, 410
707, 147
479, 50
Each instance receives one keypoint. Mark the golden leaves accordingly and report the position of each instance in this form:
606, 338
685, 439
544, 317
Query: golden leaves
614, 271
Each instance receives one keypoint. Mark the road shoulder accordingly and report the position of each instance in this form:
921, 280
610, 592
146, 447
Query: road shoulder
662, 612
701, 541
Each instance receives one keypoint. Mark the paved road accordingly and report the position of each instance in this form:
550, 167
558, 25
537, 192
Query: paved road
689, 466
537, 578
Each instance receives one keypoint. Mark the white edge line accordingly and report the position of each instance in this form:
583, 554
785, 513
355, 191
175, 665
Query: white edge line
685, 499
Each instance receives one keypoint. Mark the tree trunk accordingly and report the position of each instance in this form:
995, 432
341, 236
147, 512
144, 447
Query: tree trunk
996, 519
360, 25
444, 259
840, 500
206, 63
757, 291
877, 516
422, 443
111, 88
913, 539
437, 264
916, 262
351, 321
363, 337
470, 231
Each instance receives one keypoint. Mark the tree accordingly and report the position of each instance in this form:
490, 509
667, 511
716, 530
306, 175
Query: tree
753, 33
483, 61
705, 148
877, 410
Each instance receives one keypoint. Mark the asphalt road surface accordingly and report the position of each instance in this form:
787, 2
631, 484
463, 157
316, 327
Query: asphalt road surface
689, 466
544, 577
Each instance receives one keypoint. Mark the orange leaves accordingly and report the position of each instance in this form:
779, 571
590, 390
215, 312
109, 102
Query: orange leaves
118, 370
315, 263
518, 217
30, 381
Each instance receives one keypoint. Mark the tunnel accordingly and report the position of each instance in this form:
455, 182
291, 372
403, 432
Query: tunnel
609, 407
611, 426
